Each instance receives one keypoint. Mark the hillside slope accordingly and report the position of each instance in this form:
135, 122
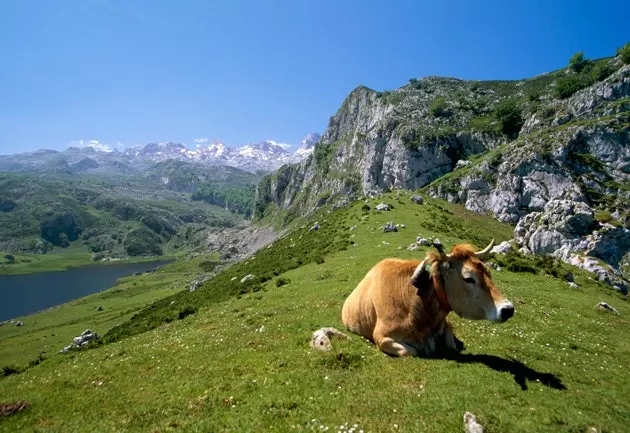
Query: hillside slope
243, 362
114, 217
510, 148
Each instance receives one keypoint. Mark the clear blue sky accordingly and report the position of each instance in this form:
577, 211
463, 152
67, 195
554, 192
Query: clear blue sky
136, 71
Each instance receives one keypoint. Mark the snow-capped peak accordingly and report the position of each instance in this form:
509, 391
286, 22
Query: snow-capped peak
308, 144
97, 145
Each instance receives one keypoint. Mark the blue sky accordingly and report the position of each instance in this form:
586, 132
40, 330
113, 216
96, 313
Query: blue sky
137, 71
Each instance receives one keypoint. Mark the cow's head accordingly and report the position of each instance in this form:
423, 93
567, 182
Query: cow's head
465, 282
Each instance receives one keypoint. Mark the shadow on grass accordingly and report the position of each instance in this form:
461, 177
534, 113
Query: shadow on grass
520, 371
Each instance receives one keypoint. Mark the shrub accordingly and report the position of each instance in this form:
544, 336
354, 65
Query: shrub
282, 282
509, 115
624, 53
208, 265
9, 258
187, 311
365, 207
567, 86
601, 71
577, 62
8, 370
438, 107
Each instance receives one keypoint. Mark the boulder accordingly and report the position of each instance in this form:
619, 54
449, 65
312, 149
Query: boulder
462, 163
19, 323
321, 338
470, 423
82, 340
382, 206
607, 307
247, 277
314, 228
417, 199
389, 227
503, 248
422, 241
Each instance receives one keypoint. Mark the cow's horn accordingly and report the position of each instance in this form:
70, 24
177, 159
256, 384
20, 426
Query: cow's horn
486, 250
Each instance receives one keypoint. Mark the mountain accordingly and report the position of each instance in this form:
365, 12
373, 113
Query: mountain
510, 148
92, 156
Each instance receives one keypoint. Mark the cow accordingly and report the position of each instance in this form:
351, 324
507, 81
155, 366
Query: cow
401, 305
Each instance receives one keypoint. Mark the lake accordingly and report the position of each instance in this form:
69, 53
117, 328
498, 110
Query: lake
29, 293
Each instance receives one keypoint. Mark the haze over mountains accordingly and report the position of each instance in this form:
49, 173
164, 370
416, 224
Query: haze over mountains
95, 157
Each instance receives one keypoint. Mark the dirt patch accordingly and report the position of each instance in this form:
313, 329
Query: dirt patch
7, 409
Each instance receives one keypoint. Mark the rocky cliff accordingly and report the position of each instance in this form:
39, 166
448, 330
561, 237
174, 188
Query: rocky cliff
504, 147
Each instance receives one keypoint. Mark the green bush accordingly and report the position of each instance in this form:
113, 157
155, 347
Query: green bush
624, 53
601, 71
567, 86
9, 258
142, 242
438, 107
509, 115
577, 62
282, 282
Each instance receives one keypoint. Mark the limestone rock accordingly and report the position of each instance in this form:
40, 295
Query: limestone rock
503, 248
321, 338
470, 423
389, 227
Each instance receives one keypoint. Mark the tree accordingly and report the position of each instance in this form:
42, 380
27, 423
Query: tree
577, 61
509, 115
624, 53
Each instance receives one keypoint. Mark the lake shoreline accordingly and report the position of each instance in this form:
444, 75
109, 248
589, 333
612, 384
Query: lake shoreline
61, 262
31, 293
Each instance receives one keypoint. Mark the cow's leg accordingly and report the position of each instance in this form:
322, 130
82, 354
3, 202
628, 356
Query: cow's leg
450, 340
391, 346
388, 345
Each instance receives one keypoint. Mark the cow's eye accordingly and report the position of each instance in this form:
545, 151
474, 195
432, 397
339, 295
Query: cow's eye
469, 280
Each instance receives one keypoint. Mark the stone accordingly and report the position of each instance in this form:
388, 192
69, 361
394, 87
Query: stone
470, 423
607, 307
321, 338
314, 228
194, 285
353, 228
462, 163
382, 206
417, 199
422, 241
412, 247
503, 248
389, 227
569, 277
82, 340
247, 277
573, 285
19, 323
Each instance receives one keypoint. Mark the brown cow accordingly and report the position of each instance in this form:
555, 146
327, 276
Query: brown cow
402, 305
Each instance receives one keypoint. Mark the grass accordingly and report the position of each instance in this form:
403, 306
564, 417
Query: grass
61, 260
50, 330
243, 363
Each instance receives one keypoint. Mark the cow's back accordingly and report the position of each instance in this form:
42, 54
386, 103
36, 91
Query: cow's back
383, 294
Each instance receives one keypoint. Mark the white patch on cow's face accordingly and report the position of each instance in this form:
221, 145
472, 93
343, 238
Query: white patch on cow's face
473, 295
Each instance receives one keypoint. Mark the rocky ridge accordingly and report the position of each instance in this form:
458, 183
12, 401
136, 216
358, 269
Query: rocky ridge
511, 148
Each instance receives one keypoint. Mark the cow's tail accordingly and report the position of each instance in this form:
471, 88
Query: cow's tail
321, 338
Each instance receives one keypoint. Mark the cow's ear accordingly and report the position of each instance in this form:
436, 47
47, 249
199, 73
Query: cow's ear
421, 278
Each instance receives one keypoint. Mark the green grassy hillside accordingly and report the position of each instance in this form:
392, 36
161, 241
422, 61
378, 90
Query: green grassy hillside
77, 217
242, 361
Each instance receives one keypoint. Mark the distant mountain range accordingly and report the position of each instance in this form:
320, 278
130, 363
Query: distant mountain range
94, 157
